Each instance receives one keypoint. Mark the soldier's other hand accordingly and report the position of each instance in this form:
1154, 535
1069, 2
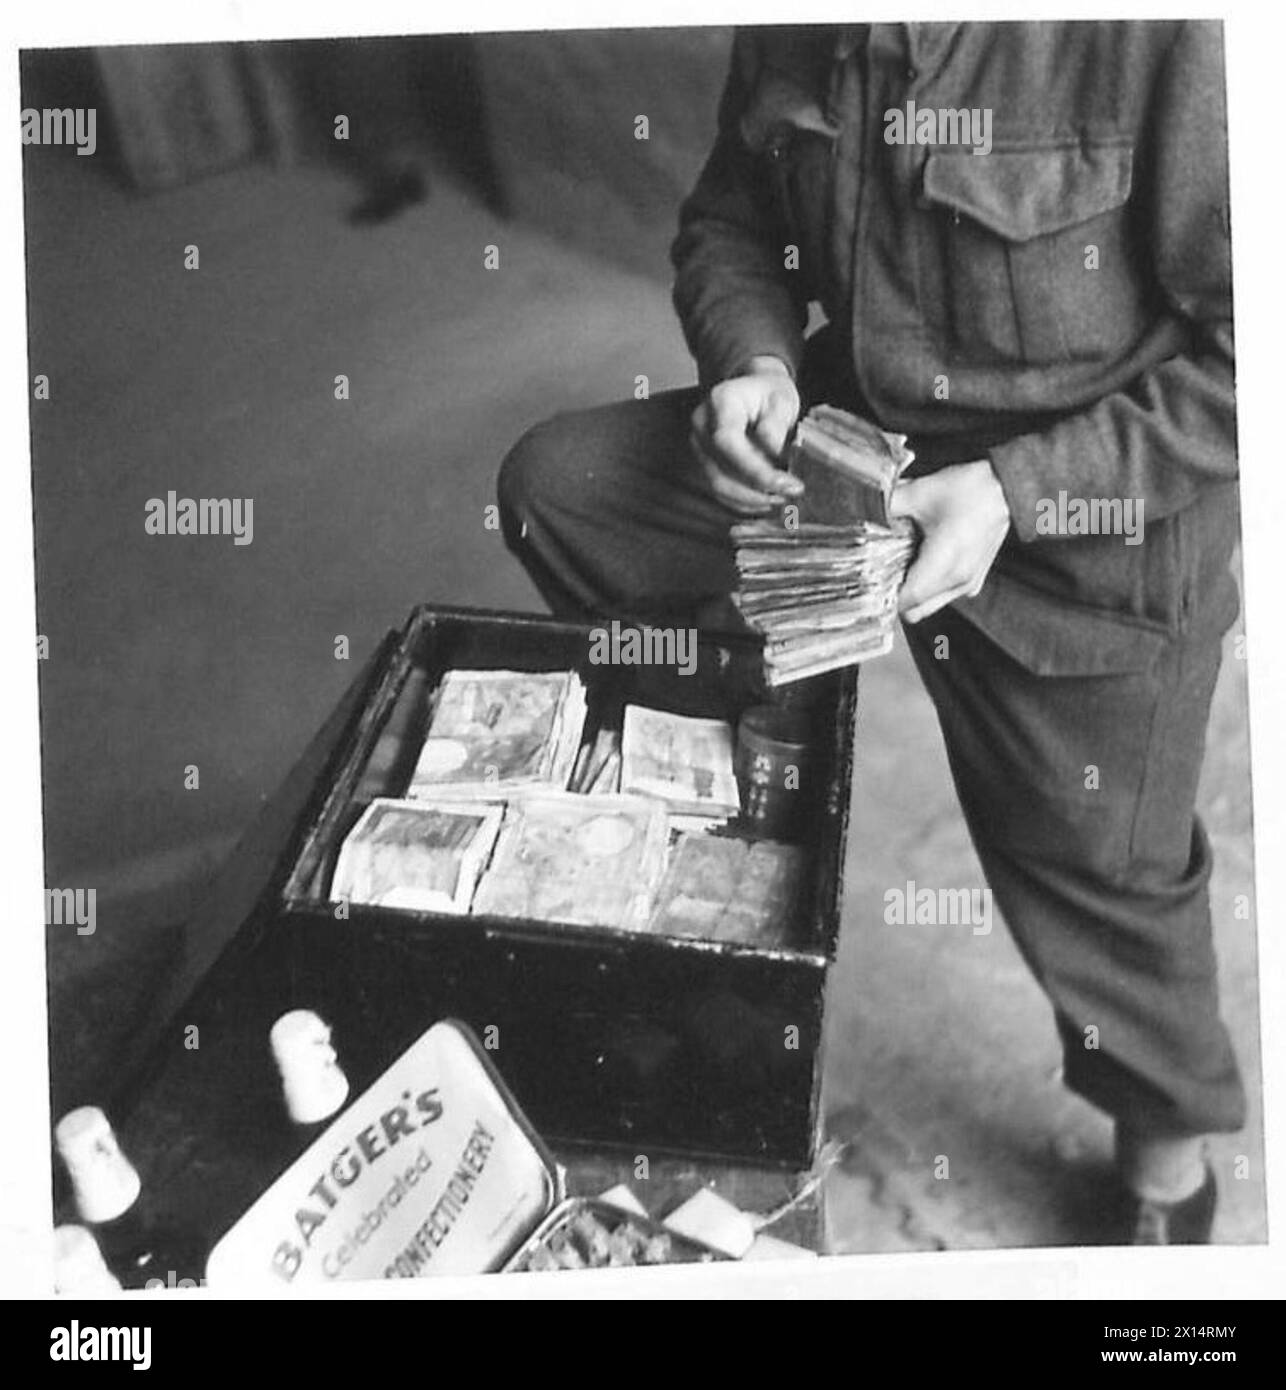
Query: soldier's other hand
964, 517
739, 432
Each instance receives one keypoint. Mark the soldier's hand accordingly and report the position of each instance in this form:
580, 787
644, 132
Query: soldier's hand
964, 517
738, 433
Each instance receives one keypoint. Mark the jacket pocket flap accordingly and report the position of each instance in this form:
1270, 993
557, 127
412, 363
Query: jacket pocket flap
1020, 194
778, 106
1051, 637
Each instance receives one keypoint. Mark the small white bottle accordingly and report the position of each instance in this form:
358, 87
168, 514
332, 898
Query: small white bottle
311, 1079
138, 1245
79, 1267
105, 1184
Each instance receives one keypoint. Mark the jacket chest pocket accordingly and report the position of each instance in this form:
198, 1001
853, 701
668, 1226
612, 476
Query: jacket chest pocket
1037, 257
786, 132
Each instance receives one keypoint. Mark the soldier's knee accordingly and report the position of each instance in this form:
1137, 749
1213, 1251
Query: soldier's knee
534, 473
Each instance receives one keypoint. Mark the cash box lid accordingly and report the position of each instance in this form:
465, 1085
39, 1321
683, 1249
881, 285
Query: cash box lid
432, 1170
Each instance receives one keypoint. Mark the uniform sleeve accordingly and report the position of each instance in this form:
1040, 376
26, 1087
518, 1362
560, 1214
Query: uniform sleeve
733, 295
1173, 431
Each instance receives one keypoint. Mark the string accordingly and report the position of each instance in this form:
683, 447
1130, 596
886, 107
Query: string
831, 1152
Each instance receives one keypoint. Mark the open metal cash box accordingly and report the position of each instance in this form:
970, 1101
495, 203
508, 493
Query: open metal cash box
607, 1037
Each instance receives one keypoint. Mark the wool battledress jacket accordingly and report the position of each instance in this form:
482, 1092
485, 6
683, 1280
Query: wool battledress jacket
1059, 304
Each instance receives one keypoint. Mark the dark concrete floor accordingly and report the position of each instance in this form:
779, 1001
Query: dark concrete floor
166, 652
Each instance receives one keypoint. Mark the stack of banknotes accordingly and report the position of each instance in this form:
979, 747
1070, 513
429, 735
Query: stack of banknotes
520, 806
820, 580
497, 734
413, 855
686, 763
561, 857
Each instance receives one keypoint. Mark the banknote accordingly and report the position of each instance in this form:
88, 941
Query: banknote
820, 580
685, 762
493, 734
561, 857
415, 855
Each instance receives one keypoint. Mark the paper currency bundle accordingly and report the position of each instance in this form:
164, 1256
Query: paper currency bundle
821, 581
498, 734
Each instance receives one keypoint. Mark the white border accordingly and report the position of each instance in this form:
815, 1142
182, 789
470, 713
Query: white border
1254, 46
